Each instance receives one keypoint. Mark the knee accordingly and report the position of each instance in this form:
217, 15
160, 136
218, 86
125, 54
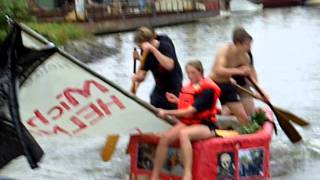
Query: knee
243, 118
164, 139
183, 135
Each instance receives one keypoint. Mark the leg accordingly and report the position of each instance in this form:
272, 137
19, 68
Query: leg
162, 148
225, 110
247, 101
248, 105
194, 132
238, 110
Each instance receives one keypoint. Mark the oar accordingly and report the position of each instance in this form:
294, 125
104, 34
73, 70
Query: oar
284, 123
135, 85
294, 118
135, 54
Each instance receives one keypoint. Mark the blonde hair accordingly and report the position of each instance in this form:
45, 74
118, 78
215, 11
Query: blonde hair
196, 64
143, 34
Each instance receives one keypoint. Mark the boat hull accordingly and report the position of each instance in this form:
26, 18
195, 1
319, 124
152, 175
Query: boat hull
238, 157
281, 3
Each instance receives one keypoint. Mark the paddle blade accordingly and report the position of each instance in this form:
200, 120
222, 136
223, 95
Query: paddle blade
292, 117
288, 128
109, 147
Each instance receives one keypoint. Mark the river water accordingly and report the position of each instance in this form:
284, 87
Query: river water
286, 50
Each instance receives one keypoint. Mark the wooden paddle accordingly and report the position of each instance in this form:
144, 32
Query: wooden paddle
135, 85
135, 54
294, 118
284, 123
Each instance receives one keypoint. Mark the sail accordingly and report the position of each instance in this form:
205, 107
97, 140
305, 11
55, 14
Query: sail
46, 92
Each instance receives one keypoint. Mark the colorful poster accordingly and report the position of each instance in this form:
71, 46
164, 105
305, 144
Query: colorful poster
251, 162
226, 166
172, 164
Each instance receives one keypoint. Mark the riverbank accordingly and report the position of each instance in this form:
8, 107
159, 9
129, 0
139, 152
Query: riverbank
75, 40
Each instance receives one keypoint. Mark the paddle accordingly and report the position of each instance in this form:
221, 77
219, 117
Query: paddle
284, 123
135, 85
135, 55
297, 120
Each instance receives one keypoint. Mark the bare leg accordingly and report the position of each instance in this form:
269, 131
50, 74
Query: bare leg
247, 101
225, 110
162, 148
238, 110
248, 105
194, 132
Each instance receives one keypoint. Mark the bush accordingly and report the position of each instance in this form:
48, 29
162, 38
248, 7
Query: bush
257, 120
17, 9
59, 33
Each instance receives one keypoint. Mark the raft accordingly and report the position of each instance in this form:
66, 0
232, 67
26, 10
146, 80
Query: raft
237, 157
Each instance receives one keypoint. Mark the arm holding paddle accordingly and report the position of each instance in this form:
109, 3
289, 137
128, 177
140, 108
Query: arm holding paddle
140, 75
284, 117
164, 60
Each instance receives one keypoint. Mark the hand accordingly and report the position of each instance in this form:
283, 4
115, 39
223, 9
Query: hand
171, 98
136, 78
245, 70
146, 46
136, 55
162, 113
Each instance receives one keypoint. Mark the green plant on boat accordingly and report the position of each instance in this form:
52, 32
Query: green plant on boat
257, 120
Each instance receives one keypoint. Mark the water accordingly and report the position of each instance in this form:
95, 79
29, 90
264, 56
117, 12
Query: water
286, 45
285, 48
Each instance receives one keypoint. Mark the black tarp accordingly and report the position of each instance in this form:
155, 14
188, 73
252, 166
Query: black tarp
16, 64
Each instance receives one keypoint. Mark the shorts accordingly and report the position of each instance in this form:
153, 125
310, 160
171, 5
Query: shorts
229, 93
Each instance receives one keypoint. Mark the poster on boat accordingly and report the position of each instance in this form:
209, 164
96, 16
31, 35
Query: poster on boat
172, 164
226, 166
251, 162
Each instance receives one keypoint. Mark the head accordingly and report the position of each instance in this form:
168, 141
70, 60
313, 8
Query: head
143, 34
225, 160
194, 71
242, 39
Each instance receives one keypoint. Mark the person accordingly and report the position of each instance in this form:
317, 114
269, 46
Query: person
233, 62
246, 100
197, 114
163, 63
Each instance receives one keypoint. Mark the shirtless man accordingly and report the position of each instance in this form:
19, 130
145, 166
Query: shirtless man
234, 60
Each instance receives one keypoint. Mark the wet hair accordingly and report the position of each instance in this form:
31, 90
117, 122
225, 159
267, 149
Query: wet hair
240, 35
196, 64
143, 34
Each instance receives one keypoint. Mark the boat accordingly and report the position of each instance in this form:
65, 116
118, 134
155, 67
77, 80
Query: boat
278, 3
233, 157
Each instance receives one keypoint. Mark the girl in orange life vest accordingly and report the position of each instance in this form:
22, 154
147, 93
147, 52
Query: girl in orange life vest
197, 114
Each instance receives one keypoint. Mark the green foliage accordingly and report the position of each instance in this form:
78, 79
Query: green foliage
59, 33
17, 9
2, 36
257, 120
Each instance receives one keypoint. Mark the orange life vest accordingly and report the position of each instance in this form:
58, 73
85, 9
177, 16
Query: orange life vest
187, 98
